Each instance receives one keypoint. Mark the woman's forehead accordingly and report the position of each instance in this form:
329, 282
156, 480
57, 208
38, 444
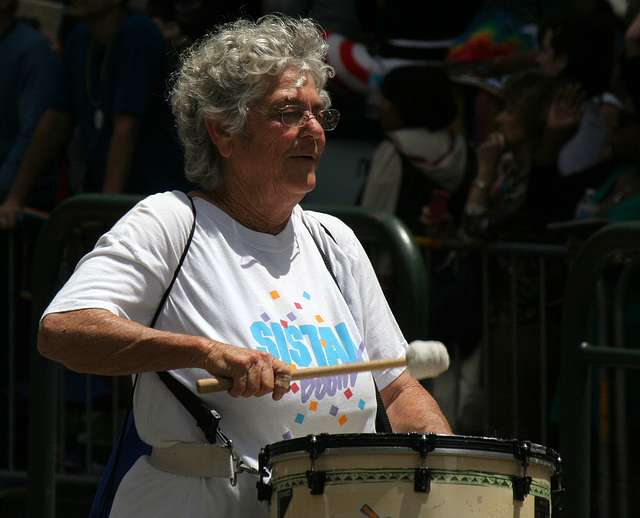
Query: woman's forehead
293, 85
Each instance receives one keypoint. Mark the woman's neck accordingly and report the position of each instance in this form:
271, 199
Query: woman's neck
249, 212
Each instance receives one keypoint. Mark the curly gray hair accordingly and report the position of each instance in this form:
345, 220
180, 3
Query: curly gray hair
223, 74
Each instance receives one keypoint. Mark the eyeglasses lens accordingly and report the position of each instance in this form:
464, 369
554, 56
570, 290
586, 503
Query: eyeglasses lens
328, 119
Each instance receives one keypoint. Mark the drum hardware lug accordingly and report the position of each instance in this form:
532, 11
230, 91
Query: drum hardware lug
316, 446
557, 498
264, 490
522, 451
422, 480
521, 485
315, 479
423, 444
557, 495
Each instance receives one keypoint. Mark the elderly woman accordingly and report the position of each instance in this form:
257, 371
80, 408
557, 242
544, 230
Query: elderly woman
252, 298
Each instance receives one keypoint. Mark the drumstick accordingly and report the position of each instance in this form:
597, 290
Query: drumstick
424, 359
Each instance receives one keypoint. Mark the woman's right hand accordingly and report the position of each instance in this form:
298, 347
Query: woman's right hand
254, 373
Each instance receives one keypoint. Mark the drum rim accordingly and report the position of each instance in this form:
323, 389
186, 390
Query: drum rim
444, 445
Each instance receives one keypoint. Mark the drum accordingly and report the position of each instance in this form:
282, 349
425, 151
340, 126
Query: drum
394, 475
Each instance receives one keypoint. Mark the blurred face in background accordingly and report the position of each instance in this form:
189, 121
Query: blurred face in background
550, 64
389, 118
510, 124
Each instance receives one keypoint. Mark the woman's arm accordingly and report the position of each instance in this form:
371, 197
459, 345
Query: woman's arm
99, 342
411, 408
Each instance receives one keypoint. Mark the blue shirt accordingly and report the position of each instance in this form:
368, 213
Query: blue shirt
127, 75
27, 67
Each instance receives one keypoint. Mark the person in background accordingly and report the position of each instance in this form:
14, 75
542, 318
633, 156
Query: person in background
420, 173
183, 22
253, 297
577, 45
27, 67
497, 209
422, 153
496, 204
111, 87
618, 197
164, 14
338, 16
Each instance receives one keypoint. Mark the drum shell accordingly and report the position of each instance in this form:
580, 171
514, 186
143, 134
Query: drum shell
468, 478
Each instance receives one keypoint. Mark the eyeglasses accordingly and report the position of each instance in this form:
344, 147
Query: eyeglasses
297, 117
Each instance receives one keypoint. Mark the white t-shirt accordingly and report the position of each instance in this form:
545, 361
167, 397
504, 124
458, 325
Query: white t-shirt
249, 289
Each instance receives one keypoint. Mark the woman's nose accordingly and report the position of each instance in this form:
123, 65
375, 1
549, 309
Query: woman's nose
312, 126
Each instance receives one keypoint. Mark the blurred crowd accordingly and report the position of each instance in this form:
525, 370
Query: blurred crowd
84, 110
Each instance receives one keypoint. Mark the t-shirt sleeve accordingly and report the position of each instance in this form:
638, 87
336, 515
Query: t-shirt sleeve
131, 265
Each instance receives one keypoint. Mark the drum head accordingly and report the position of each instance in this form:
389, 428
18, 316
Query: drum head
315, 445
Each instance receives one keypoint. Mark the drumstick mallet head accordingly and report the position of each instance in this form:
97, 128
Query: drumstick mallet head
423, 359
426, 359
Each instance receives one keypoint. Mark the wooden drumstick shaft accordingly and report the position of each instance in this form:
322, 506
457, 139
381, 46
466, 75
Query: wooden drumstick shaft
222, 384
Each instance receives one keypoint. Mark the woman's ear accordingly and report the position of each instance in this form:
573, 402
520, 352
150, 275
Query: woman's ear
219, 136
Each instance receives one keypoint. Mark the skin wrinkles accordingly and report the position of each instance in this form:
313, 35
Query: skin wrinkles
262, 198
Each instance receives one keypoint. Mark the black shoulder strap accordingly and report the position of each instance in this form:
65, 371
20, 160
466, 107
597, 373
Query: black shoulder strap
165, 296
205, 418
383, 425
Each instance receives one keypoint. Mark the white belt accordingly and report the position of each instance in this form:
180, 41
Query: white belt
195, 460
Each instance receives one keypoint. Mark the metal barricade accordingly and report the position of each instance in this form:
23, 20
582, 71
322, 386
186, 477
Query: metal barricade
16, 250
76, 213
516, 337
579, 358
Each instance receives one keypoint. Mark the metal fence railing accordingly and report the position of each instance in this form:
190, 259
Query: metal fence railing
519, 342
600, 341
